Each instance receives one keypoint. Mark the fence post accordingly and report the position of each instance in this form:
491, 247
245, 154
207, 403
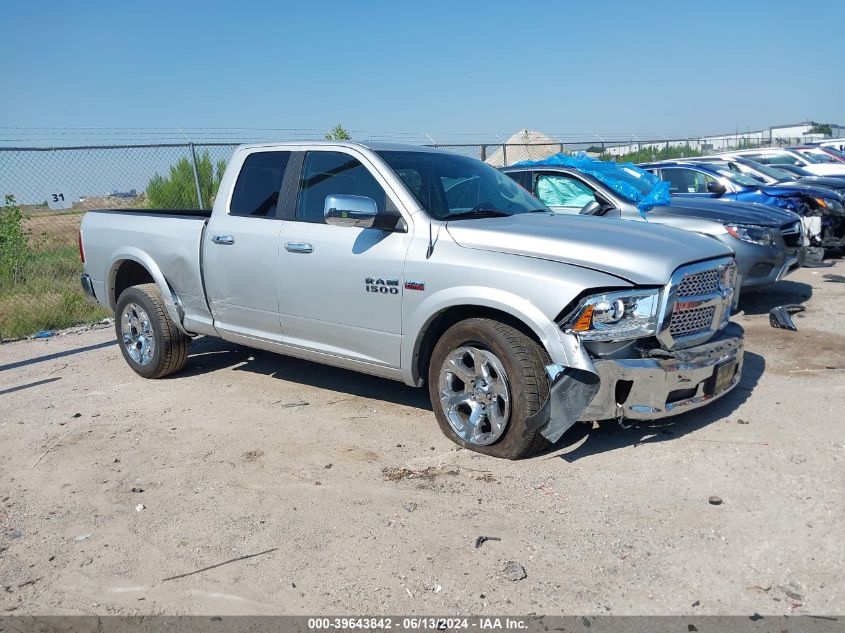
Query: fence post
196, 176
504, 154
484, 153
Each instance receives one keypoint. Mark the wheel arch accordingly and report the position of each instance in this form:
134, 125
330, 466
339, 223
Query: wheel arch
464, 304
134, 267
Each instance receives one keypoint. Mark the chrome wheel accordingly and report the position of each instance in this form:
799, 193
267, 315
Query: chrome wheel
137, 332
474, 394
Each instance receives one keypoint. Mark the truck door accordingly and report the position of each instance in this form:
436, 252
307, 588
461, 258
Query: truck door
241, 250
341, 287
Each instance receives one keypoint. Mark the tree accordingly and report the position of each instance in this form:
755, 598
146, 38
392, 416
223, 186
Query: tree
14, 248
179, 190
649, 153
338, 133
821, 128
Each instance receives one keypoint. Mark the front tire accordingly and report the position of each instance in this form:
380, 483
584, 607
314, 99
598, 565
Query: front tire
486, 379
150, 341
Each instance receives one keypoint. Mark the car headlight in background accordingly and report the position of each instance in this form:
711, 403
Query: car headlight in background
751, 233
830, 203
614, 316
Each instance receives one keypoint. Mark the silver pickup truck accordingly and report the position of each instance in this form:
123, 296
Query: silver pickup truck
426, 267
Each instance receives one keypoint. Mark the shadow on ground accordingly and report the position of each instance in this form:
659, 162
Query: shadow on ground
209, 354
55, 355
610, 436
782, 293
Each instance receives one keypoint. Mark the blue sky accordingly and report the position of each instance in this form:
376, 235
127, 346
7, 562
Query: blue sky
484, 67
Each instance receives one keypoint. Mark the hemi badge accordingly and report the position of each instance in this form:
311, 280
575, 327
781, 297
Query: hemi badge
414, 285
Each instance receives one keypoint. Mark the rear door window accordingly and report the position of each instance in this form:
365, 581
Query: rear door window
256, 192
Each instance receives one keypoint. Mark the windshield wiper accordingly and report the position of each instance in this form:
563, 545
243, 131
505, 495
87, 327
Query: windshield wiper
478, 213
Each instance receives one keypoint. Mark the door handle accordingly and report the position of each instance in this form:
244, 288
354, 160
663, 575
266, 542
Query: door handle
299, 247
223, 239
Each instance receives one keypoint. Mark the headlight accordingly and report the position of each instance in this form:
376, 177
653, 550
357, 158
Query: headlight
830, 203
750, 233
616, 316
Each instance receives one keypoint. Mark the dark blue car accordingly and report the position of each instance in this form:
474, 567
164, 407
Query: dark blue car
822, 208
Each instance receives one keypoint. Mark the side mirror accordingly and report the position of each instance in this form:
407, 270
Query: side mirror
716, 188
356, 211
591, 208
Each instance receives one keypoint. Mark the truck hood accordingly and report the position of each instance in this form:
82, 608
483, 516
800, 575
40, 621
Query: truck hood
726, 211
636, 252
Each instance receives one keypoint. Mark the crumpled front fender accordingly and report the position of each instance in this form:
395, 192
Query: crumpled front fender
574, 382
571, 392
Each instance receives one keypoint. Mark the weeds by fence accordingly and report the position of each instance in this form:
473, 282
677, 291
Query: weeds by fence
39, 260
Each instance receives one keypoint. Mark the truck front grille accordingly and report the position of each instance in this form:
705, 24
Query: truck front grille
700, 297
702, 283
686, 322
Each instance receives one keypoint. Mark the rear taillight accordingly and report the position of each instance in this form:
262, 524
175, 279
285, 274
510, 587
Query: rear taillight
81, 250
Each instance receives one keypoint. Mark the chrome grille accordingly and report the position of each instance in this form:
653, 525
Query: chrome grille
699, 303
686, 322
703, 283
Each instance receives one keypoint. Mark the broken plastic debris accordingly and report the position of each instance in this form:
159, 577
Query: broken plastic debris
44, 334
781, 316
483, 539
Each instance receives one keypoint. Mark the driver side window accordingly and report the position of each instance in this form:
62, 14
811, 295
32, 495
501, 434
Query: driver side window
686, 180
332, 173
563, 191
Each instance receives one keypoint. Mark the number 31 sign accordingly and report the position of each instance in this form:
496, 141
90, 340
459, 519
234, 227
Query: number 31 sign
58, 200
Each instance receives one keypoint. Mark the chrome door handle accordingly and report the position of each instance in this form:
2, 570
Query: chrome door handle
299, 247
222, 239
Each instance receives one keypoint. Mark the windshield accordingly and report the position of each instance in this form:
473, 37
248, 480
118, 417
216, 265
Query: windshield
766, 170
447, 185
835, 152
810, 158
795, 170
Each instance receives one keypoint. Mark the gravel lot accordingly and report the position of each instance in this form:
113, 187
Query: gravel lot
354, 502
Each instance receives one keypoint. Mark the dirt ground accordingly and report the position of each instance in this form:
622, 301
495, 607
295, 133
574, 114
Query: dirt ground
339, 494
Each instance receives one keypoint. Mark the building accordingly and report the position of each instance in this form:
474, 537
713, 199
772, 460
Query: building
777, 135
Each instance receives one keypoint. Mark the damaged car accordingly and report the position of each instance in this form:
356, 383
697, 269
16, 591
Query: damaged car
822, 209
768, 242
432, 269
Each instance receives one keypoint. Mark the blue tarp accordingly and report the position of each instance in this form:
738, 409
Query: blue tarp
636, 185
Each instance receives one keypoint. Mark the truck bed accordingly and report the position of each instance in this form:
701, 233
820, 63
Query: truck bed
166, 242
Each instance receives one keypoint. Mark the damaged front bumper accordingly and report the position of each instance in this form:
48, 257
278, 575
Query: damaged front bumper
663, 384
669, 382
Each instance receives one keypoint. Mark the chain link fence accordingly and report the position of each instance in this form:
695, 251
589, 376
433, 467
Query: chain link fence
48, 189
45, 192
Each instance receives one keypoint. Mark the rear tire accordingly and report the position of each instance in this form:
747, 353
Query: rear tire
486, 379
150, 341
